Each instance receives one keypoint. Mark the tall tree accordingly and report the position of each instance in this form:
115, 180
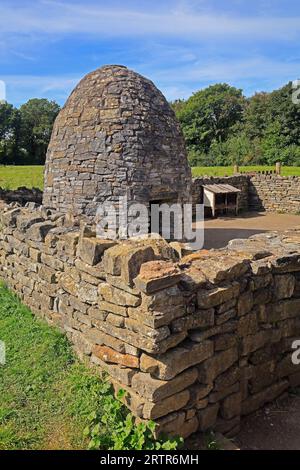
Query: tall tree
37, 118
257, 115
209, 115
9, 133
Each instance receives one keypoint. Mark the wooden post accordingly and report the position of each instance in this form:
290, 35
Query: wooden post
236, 169
278, 168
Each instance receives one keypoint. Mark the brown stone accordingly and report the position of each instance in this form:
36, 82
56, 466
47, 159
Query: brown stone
156, 390
217, 296
166, 405
247, 325
228, 378
157, 275
224, 317
201, 335
221, 394
208, 416
262, 375
117, 296
108, 354
200, 319
91, 249
173, 362
113, 308
231, 406
245, 303
126, 261
122, 375
38, 231
198, 392
217, 364
225, 341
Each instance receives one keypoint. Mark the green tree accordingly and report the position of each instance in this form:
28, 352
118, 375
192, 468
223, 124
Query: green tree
286, 114
9, 133
37, 118
257, 115
209, 115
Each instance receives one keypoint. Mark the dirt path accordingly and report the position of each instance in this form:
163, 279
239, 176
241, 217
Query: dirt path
218, 232
275, 427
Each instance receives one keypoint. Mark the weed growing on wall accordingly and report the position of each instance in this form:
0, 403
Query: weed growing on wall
125, 433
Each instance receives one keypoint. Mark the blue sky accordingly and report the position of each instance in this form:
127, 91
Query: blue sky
46, 46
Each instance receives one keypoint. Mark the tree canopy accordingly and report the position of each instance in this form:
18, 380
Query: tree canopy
221, 126
25, 132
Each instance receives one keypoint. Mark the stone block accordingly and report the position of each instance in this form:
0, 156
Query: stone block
231, 406
208, 417
155, 390
126, 261
166, 405
107, 354
217, 364
157, 275
200, 319
219, 395
245, 303
91, 250
284, 286
122, 375
201, 335
219, 295
247, 325
167, 366
117, 296
225, 341
38, 231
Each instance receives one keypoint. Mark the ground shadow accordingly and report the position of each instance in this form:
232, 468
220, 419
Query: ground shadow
219, 237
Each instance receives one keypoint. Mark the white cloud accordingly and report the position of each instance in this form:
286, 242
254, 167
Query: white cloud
54, 17
21, 88
223, 70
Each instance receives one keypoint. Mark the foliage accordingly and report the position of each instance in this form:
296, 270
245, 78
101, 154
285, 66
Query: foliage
209, 115
113, 427
25, 132
222, 127
49, 400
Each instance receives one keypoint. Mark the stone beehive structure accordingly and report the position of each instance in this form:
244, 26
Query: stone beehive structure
116, 136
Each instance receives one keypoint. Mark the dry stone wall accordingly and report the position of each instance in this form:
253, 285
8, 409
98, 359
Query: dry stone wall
274, 193
239, 181
259, 192
196, 342
21, 196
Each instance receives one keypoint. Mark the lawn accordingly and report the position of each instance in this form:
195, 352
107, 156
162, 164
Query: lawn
12, 177
228, 170
46, 394
49, 400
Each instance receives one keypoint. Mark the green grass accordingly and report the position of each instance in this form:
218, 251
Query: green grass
12, 177
49, 400
46, 394
228, 170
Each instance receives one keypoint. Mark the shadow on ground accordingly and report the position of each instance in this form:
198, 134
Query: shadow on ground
219, 237
275, 427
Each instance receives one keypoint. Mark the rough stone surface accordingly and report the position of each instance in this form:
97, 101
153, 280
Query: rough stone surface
112, 138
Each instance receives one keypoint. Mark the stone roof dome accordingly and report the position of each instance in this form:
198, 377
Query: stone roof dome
115, 136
